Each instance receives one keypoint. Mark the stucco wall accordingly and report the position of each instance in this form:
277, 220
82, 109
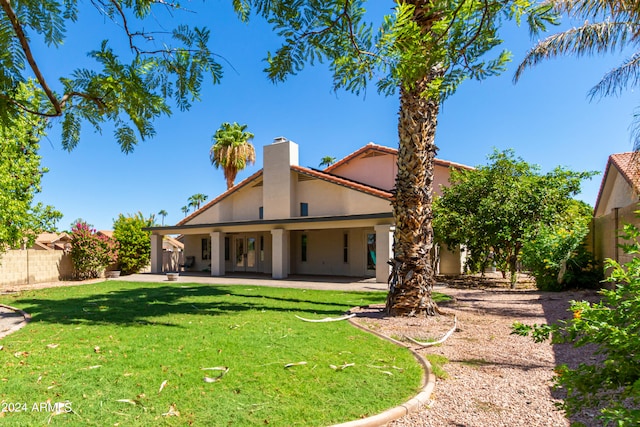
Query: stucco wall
326, 199
379, 171
451, 261
616, 193
242, 205
325, 253
605, 230
34, 266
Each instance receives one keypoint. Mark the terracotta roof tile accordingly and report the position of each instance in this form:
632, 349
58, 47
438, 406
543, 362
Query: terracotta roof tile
323, 175
387, 150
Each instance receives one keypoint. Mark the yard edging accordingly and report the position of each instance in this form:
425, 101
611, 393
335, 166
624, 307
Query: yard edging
26, 319
413, 404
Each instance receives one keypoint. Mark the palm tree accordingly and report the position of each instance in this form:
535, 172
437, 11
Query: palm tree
163, 214
608, 26
327, 161
185, 210
232, 150
423, 48
196, 200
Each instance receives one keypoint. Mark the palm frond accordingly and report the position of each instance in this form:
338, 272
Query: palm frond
597, 9
589, 39
618, 79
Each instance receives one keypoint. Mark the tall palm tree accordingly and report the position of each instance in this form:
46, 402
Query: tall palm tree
163, 214
185, 210
196, 200
232, 150
609, 26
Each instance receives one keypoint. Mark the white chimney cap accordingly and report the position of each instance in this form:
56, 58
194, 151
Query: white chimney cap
279, 139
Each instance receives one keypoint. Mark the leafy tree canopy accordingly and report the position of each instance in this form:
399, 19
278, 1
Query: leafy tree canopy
20, 175
134, 242
501, 205
412, 41
127, 89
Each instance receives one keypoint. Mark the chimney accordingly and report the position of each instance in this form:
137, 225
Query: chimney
278, 183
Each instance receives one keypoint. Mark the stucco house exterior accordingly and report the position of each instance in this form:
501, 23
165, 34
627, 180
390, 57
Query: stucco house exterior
288, 219
616, 205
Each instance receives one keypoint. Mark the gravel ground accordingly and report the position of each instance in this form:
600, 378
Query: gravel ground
493, 378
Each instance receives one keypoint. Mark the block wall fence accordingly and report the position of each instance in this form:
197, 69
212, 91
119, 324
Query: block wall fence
22, 267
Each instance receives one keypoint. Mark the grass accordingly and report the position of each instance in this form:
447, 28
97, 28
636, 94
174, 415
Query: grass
437, 362
122, 353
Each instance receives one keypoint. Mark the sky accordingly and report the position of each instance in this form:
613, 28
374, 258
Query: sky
546, 118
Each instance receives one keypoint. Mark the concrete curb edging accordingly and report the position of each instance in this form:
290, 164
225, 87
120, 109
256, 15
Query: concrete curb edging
412, 405
26, 319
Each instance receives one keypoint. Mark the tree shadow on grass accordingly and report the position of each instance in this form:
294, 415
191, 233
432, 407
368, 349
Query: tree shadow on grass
135, 306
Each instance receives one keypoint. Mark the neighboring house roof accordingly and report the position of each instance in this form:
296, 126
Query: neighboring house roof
628, 166
51, 241
170, 241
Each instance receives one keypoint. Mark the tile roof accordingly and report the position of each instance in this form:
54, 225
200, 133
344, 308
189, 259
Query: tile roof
628, 164
387, 150
327, 176
354, 185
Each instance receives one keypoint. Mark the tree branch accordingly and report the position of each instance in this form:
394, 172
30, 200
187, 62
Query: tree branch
22, 38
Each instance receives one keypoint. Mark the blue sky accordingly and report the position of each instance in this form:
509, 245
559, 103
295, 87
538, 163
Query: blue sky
546, 118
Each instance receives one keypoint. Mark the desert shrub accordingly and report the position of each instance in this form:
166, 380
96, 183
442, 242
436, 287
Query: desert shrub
612, 325
135, 243
91, 253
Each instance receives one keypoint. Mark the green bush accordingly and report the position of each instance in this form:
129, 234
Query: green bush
613, 326
91, 253
135, 243
556, 256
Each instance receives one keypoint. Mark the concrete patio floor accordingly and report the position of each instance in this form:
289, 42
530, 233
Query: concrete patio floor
301, 282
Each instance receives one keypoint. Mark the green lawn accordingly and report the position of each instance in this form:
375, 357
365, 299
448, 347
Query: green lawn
122, 353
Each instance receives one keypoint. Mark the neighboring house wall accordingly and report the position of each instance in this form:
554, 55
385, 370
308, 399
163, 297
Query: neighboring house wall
615, 207
21, 267
606, 232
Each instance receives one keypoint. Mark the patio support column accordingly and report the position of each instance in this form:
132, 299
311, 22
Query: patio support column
156, 253
280, 257
384, 251
217, 254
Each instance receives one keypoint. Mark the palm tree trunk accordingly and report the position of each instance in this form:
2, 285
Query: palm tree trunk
412, 205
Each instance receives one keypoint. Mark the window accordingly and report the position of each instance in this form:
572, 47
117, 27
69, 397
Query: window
304, 209
206, 249
371, 251
345, 248
261, 248
261, 212
227, 249
303, 248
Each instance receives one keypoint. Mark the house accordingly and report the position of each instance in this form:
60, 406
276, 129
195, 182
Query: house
616, 205
52, 241
288, 219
